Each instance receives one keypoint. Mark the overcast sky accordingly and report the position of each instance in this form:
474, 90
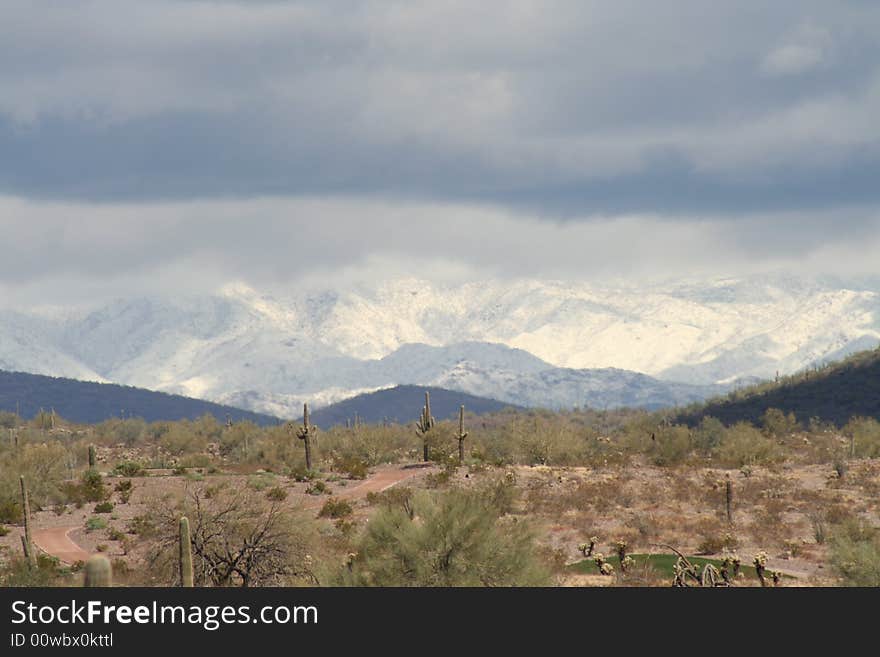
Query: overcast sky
154, 144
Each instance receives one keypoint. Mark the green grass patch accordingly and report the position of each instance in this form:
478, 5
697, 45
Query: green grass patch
662, 563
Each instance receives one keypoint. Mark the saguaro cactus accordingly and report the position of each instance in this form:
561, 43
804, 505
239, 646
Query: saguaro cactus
186, 563
462, 434
28, 544
305, 433
98, 573
425, 425
92, 458
728, 489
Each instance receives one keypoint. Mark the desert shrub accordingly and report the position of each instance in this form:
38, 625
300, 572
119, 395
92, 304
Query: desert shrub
355, 468
94, 523
278, 449
743, 445
142, 525
708, 434
18, 573
276, 494
9, 420
865, 432
669, 445
92, 486
318, 488
129, 469
238, 441
458, 538
184, 438
4, 531
717, 543
115, 534
89, 488
104, 507
261, 482
336, 508
44, 467
776, 423
855, 554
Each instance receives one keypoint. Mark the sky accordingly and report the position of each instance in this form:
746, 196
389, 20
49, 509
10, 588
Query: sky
159, 145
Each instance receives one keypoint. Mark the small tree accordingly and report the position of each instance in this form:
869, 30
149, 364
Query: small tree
237, 538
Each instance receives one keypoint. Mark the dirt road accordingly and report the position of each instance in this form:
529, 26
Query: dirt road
57, 543
380, 481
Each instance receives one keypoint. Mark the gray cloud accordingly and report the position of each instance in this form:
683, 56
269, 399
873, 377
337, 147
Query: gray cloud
67, 252
566, 107
173, 144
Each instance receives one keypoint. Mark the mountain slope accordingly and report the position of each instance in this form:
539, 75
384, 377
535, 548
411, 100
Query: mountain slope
271, 353
87, 402
835, 393
402, 405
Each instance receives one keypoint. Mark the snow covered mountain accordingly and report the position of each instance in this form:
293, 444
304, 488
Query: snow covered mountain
525, 342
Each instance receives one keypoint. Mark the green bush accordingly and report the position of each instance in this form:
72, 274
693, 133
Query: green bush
94, 523
777, 423
276, 494
336, 508
855, 554
743, 445
104, 507
865, 433
459, 538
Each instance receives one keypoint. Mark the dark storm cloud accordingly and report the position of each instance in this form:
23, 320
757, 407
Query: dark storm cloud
168, 145
559, 107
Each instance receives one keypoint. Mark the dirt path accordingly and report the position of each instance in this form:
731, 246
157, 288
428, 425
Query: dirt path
380, 481
57, 543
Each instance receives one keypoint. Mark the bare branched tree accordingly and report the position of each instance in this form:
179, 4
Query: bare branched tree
239, 538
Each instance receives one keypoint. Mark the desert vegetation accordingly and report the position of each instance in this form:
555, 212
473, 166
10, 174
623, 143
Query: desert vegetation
516, 498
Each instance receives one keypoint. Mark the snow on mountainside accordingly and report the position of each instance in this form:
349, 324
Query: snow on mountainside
525, 342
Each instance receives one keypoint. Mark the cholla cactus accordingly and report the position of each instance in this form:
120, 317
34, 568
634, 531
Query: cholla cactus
760, 563
425, 425
711, 577
625, 560
589, 548
604, 567
730, 568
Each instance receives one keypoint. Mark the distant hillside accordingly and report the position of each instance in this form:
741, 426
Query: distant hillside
834, 393
402, 405
86, 402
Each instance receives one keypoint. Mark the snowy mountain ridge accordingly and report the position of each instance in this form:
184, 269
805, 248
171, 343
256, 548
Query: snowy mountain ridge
528, 342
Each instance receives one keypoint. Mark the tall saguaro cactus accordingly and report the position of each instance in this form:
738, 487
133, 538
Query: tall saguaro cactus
186, 563
28, 543
92, 459
98, 573
729, 500
305, 433
462, 434
425, 425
